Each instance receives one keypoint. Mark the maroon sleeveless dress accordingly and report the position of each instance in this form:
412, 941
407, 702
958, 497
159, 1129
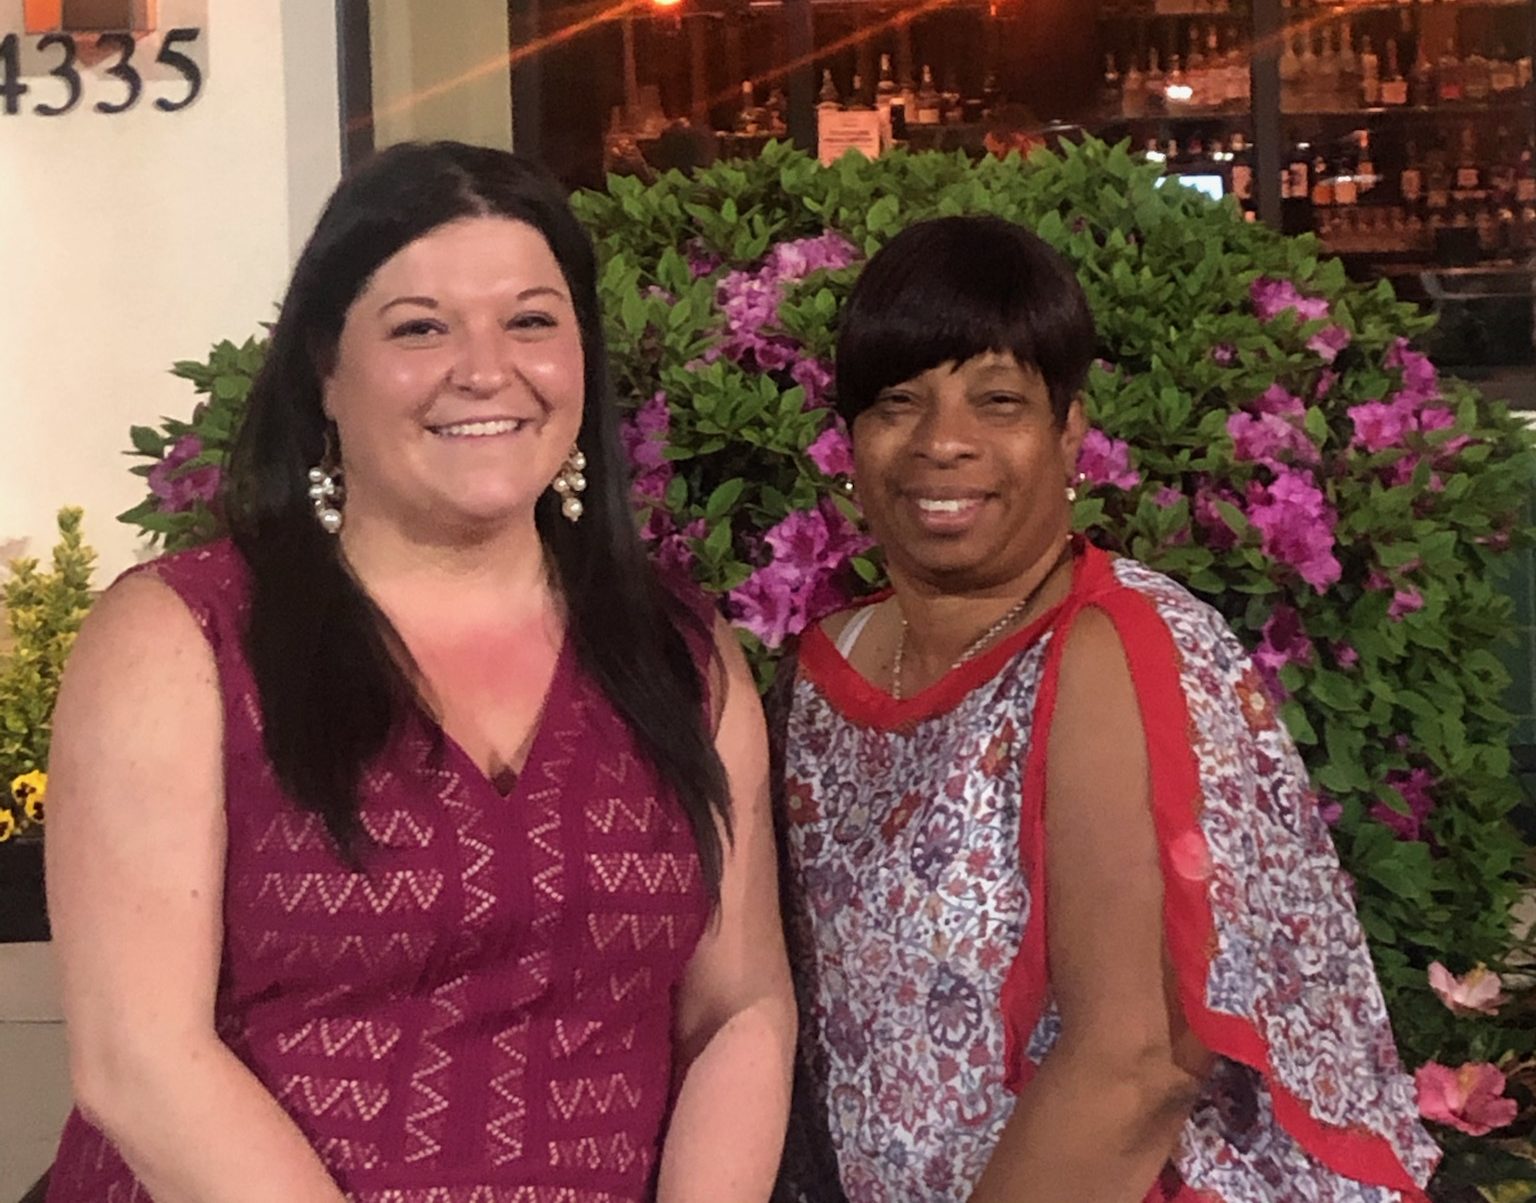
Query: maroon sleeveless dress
485, 1015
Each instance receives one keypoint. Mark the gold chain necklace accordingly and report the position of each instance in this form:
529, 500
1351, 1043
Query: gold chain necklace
982, 641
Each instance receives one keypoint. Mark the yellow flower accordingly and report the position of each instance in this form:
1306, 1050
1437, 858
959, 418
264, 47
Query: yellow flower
7, 825
30, 791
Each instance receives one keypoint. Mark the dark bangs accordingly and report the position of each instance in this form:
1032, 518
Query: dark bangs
947, 290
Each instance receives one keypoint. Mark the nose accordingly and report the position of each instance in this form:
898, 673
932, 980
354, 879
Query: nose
946, 434
480, 368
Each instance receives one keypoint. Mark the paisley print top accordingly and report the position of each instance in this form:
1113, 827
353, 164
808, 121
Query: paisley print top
914, 838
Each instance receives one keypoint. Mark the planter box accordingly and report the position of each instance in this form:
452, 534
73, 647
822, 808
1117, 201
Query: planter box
23, 909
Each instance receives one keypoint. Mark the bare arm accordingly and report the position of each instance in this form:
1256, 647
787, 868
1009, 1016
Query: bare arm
736, 1009
1101, 1117
135, 848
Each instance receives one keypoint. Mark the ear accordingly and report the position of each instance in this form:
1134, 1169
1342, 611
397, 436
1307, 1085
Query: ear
1073, 431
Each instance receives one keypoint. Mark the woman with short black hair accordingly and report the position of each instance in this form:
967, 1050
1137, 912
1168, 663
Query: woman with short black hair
1067, 923
413, 844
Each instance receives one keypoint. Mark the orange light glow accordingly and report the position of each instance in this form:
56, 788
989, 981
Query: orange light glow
666, 3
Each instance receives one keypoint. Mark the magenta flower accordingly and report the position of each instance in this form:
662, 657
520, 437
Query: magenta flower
815, 378
1283, 641
1379, 425
1470, 1099
1328, 342
179, 486
1218, 535
1420, 379
1345, 656
1272, 297
799, 585
1414, 786
1404, 602
1269, 440
1106, 461
1167, 497
831, 451
1278, 401
1297, 524
1329, 809
1224, 354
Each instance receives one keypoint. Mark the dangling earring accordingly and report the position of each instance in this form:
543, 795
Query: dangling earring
325, 487
570, 482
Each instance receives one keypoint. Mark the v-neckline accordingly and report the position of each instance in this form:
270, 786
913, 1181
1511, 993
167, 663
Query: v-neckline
471, 768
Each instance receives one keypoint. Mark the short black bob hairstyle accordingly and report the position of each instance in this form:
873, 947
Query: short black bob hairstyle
951, 288
334, 678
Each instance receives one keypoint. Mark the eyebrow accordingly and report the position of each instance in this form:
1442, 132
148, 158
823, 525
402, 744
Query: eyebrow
541, 290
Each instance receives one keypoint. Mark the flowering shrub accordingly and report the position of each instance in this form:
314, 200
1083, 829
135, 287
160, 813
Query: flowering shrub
1264, 431
43, 611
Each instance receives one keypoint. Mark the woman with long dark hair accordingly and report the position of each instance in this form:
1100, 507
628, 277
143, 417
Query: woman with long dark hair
412, 843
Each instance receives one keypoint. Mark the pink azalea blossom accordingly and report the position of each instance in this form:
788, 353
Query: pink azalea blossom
1269, 440
1345, 656
1480, 992
1414, 786
800, 584
1272, 297
1106, 461
1167, 497
831, 451
815, 378
1217, 534
1328, 342
1420, 380
178, 486
1278, 401
1224, 354
1470, 1099
1330, 810
1297, 524
1283, 641
1405, 602
1325, 382
1379, 425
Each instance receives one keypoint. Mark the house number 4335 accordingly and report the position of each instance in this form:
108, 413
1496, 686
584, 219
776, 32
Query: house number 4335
60, 74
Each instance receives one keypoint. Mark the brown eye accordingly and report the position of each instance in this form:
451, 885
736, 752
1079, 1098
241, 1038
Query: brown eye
416, 328
532, 321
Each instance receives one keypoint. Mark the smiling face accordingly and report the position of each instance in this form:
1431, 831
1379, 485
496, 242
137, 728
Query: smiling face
458, 384
962, 473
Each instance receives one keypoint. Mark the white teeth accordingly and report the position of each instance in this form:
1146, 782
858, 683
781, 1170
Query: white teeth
934, 505
476, 430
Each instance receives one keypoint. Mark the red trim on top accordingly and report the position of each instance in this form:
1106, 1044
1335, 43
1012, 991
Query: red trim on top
1189, 926
853, 696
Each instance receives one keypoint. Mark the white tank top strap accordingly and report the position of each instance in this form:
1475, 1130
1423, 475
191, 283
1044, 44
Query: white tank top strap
851, 632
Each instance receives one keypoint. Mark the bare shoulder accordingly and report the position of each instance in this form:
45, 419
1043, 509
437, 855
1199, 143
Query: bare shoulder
139, 669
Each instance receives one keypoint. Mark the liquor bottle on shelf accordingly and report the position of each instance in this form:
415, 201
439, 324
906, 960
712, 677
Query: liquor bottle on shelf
1421, 80
909, 99
1476, 77
1346, 180
1394, 88
1155, 83
828, 98
953, 111
1370, 75
885, 87
775, 111
1437, 183
1349, 62
1503, 75
1322, 183
1242, 170
1290, 75
1365, 163
1501, 173
929, 103
1329, 74
991, 94
1525, 174
1308, 64
1114, 89
1410, 181
1133, 91
1238, 84
1299, 171
749, 118
857, 100
1176, 90
1448, 75
1468, 181
1194, 71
